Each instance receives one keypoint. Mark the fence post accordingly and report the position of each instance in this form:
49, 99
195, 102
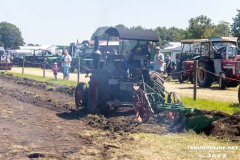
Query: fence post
44, 66
195, 80
78, 69
23, 63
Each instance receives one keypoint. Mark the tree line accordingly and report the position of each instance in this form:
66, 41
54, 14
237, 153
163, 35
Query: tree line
199, 27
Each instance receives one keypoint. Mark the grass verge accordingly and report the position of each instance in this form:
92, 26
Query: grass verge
44, 79
226, 107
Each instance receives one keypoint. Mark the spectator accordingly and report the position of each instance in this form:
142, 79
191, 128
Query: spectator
168, 67
159, 61
55, 70
66, 64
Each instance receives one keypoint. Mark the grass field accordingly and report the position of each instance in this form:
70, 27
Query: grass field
226, 107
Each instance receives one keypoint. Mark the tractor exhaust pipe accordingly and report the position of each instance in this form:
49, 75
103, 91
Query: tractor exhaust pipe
96, 53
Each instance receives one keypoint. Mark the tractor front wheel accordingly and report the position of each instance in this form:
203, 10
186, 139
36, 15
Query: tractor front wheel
81, 95
205, 74
99, 91
222, 81
141, 106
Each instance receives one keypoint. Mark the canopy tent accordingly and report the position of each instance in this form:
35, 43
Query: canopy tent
171, 49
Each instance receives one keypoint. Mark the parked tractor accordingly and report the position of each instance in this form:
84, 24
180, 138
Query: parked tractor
185, 63
114, 84
218, 62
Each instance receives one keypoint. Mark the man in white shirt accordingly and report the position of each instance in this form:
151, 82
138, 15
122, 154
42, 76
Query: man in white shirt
159, 61
66, 64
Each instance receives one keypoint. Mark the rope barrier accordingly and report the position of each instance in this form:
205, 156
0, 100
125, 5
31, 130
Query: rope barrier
231, 79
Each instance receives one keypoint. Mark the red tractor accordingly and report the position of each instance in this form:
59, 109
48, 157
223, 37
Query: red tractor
185, 63
219, 62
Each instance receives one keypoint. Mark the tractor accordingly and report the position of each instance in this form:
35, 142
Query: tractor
218, 62
185, 63
114, 84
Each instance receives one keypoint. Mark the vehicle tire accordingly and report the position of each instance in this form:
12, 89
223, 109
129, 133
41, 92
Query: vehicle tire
141, 106
99, 92
222, 81
81, 97
232, 84
204, 75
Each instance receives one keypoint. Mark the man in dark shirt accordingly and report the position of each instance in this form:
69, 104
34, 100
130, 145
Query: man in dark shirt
139, 50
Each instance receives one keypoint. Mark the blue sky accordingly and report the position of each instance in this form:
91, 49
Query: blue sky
64, 21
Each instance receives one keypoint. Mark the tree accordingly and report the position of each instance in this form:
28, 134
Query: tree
200, 27
121, 26
10, 35
222, 29
171, 34
235, 27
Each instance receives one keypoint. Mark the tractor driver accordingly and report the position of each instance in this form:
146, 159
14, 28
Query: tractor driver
141, 50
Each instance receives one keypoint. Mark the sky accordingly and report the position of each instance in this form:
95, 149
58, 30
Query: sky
62, 22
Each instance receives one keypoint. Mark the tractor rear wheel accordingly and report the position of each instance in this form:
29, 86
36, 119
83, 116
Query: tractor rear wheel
222, 81
99, 91
81, 98
205, 74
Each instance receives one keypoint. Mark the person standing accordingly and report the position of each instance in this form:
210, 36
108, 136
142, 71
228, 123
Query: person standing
66, 64
55, 70
159, 61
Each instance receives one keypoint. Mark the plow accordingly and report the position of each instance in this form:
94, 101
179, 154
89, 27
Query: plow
151, 100
113, 85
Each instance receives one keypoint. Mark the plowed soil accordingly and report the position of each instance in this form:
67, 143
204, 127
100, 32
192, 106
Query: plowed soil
39, 120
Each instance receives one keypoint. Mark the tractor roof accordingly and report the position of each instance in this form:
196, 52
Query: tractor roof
225, 39
190, 41
132, 34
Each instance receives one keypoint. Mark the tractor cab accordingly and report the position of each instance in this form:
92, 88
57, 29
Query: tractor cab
219, 61
190, 52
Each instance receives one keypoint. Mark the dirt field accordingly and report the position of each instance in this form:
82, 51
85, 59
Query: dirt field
39, 120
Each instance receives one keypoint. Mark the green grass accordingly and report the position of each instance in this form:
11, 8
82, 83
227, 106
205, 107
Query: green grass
45, 79
226, 107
